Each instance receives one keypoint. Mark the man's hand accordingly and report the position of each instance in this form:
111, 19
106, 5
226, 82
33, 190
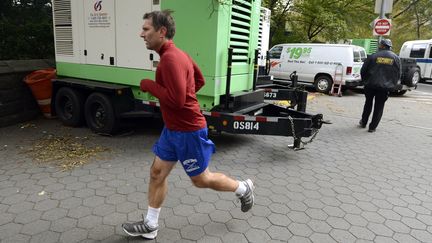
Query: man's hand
144, 84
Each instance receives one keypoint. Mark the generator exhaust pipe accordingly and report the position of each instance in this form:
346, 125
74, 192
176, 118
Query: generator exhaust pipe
228, 81
267, 63
255, 75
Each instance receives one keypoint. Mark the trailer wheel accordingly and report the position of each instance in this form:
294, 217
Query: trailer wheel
323, 84
69, 104
413, 77
99, 114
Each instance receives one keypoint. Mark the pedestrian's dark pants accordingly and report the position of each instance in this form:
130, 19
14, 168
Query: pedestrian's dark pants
380, 99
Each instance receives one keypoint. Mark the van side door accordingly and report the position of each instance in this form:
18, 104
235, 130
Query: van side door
275, 55
295, 60
428, 65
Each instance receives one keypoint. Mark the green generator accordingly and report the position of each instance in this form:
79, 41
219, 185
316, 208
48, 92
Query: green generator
370, 45
101, 60
99, 40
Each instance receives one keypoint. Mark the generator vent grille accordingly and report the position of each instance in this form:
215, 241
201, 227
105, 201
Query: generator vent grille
63, 27
240, 30
260, 29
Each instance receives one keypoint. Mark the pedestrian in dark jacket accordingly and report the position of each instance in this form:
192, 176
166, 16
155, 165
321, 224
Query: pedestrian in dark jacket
380, 73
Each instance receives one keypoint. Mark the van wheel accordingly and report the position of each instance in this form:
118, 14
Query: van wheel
413, 77
323, 84
69, 105
99, 114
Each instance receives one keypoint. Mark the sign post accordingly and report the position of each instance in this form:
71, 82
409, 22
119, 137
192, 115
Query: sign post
384, 6
382, 25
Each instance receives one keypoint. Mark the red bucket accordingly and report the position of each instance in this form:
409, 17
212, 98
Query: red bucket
40, 84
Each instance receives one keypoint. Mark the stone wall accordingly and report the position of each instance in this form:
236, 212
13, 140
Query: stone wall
16, 101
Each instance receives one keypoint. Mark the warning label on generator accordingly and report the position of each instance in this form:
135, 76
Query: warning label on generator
99, 20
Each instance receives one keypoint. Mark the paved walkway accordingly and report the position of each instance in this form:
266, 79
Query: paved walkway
347, 186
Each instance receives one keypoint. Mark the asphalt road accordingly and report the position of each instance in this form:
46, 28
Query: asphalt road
425, 87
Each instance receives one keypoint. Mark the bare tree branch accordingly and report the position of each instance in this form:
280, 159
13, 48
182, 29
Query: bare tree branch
412, 3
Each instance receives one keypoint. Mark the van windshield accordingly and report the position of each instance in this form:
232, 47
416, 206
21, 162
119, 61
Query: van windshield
275, 52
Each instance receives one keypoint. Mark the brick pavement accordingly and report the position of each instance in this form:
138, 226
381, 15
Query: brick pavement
347, 186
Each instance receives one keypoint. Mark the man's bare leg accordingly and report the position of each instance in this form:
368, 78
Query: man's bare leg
158, 185
220, 182
158, 188
214, 180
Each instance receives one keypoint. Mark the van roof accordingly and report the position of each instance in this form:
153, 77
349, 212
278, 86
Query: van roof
417, 41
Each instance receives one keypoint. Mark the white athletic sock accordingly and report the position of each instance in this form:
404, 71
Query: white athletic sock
241, 189
153, 216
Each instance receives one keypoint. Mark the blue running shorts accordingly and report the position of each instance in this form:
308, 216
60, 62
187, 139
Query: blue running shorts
192, 149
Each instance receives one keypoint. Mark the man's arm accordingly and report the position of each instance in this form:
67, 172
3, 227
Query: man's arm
364, 69
199, 79
174, 92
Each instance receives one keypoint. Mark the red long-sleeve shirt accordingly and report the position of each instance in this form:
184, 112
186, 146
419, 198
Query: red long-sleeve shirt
178, 78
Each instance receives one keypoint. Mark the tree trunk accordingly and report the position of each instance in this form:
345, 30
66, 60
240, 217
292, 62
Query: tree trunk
417, 22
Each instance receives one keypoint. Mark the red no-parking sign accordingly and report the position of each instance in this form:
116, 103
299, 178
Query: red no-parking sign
382, 27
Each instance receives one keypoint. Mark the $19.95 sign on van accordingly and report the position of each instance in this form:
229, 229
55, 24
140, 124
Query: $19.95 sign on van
297, 52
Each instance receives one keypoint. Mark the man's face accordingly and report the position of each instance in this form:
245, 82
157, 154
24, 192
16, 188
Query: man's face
153, 38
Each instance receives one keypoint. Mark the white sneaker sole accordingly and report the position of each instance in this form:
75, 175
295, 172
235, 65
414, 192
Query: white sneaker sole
149, 236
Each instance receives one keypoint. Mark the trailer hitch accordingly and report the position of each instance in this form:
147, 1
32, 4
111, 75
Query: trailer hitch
317, 121
326, 122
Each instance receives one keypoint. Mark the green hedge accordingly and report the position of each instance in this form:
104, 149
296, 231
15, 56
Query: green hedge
26, 30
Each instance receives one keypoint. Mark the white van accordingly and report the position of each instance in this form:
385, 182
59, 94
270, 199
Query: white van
319, 64
421, 50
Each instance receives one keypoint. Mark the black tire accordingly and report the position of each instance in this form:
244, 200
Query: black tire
399, 92
69, 105
323, 84
99, 114
413, 77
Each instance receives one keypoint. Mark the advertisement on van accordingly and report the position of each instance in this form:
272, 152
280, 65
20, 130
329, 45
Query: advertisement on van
318, 64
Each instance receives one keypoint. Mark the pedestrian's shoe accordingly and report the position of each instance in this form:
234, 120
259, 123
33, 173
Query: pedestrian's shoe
140, 229
371, 130
361, 124
247, 200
